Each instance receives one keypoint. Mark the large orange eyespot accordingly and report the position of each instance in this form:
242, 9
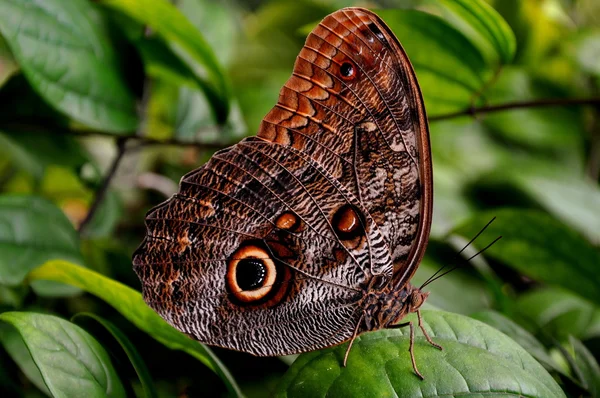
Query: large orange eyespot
251, 274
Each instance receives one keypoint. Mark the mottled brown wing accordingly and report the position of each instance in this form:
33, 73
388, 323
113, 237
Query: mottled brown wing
270, 247
353, 103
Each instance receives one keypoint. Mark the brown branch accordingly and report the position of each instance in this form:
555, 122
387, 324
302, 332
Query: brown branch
517, 105
102, 191
17, 126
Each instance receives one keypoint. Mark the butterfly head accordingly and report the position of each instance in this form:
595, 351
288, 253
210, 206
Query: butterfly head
416, 299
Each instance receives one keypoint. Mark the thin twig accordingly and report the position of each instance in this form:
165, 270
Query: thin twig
518, 105
130, 136
102, 191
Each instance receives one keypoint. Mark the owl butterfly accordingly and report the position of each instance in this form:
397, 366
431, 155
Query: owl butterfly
308, 234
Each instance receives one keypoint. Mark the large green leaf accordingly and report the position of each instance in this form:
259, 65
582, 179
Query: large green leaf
16, 348
34, 151
540, 247
477, 360
191, 46
134, 357
462, 150
69, 61
449, 67
559, 313
520, 335
33, 231
131, 305
8, 65
586, 367
570, 197
72, 362
559, 131
485, 27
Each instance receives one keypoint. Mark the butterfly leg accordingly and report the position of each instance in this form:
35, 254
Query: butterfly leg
411, 347
352, 340
429, 340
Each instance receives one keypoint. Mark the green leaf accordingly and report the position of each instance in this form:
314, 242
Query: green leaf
106, 218
161, 62
34, 151
485, 27
16, 348
8, 65
218, 22
134, 357
69, 61
559, 131
33, 231
449, 67
586, 367
72, 362
540, 247
444, 291
477, 360
570, 197
191, 46
519, 335
462, 150
131, 305
559, 313
587, 51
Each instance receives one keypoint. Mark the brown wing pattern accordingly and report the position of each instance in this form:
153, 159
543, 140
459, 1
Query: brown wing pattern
323, 205
368, 130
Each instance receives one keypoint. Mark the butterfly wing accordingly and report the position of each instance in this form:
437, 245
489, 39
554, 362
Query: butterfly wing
271, 245
354, 104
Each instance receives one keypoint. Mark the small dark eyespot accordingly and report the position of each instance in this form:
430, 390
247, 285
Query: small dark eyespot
250, 274
347, 70
373, 28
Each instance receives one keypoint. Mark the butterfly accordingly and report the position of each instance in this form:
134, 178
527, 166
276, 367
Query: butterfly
307, 234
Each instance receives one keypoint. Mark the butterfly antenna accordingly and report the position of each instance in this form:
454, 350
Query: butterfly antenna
461, 250
457, 266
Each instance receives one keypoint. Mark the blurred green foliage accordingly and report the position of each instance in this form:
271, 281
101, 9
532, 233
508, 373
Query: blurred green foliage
105, 104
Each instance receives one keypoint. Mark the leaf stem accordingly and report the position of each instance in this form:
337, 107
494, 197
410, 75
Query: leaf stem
102, 191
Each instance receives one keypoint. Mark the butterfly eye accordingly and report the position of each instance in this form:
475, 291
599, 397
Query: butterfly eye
347, 70
251, 274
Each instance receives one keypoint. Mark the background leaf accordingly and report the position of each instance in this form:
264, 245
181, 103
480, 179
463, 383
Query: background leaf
33, 231
193, 49
569, 261
586, 367
71, 362
485, 27
559, 313
134, 357
18, 351
68, 61
449, 67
